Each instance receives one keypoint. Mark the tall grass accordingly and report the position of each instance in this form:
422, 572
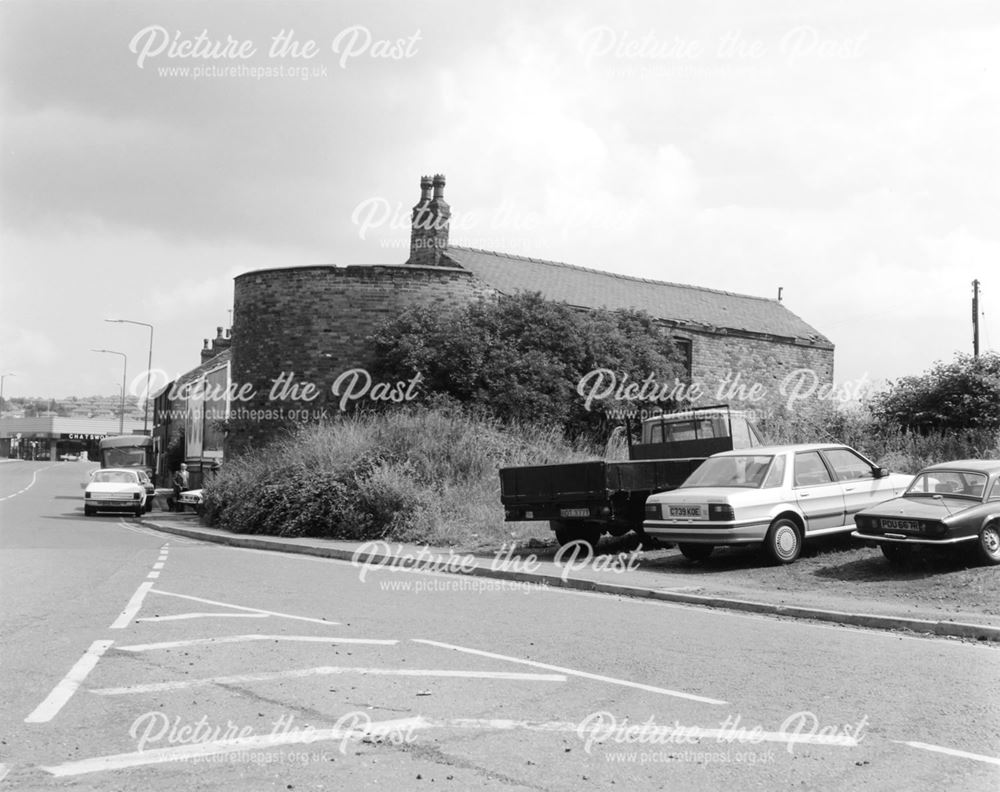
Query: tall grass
889, 446
421, 475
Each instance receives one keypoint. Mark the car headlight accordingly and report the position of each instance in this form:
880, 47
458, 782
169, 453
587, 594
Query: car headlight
86, 494
653, 511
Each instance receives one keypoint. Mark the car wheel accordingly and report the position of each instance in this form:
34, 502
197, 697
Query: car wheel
783, 542
696, 552
139, 510
89, 511
989, 544
567, 532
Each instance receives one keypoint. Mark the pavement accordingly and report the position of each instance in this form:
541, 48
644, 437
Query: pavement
607, 574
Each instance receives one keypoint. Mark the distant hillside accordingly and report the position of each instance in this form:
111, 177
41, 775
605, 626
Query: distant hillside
72, 407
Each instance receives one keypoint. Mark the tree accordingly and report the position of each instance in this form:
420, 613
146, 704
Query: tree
522, 357
962, 394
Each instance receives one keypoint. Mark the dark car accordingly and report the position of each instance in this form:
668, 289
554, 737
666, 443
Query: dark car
951, 504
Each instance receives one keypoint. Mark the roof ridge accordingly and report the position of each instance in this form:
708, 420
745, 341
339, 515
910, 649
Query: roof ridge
616, 274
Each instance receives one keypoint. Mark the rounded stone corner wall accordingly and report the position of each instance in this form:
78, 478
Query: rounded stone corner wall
315, 323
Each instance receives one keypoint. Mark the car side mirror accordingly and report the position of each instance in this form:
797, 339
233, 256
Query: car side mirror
879, 472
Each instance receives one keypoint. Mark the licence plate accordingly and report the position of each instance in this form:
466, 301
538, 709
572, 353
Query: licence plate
900, 525
574, 512
689, 512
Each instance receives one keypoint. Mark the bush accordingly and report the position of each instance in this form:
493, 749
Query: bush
961, 395
521, 358
419, 475
887, 445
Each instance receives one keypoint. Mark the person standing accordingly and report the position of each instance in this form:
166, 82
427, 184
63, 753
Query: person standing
181, 480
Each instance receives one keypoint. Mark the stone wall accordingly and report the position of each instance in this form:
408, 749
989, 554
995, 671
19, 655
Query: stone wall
729, 365
317, 323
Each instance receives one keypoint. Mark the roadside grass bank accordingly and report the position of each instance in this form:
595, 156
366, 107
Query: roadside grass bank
417, 475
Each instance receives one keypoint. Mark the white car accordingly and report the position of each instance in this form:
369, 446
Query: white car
776, 496
115, 489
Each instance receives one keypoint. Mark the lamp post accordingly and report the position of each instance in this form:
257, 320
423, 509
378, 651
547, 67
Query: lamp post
121, 418
149, 366
2, 378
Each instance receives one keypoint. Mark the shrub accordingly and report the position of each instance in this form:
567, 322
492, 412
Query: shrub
418, 474
521, 357
961, 395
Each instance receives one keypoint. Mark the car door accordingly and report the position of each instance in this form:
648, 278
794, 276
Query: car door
857, 477
819, 497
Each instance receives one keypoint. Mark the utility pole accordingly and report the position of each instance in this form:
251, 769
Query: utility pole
975, 318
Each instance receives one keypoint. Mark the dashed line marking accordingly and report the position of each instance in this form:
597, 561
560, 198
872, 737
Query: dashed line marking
240, 679
69, 684
34, 476
572, 672
126, 616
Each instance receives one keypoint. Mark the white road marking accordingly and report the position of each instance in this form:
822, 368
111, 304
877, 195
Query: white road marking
157, 687
244, 638
158, 564
194, 750
571, 672
4, 769
720, 612
69, 684
951, 752
149, 532
180, 616
126, 616
694, 733
152, 576
34, 476
242, 607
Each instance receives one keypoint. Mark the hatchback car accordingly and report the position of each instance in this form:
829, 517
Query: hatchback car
115, 489
774, 496
955, 503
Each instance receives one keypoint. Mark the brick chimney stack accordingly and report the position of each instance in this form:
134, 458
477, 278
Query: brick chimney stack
429, 224
223, 340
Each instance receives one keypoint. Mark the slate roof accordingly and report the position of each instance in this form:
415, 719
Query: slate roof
688, 306
196, 373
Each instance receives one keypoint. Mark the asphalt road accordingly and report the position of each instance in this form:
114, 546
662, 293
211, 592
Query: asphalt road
134, 660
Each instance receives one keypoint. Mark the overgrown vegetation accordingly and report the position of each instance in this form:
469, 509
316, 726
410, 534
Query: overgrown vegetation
884, 443
522, 357
427, 475
500, 380
961, 395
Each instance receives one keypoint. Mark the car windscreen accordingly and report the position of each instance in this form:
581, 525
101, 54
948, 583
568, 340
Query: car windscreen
113, 477
731, 471
124, 457
952, 483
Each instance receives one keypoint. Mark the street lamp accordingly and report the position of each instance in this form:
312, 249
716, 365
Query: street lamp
2, 378
149, 366
121, 420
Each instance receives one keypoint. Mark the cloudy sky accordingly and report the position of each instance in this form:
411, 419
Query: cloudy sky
847, 152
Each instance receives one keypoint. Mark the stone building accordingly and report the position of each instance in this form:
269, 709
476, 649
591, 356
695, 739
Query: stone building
317, 321
296, 328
